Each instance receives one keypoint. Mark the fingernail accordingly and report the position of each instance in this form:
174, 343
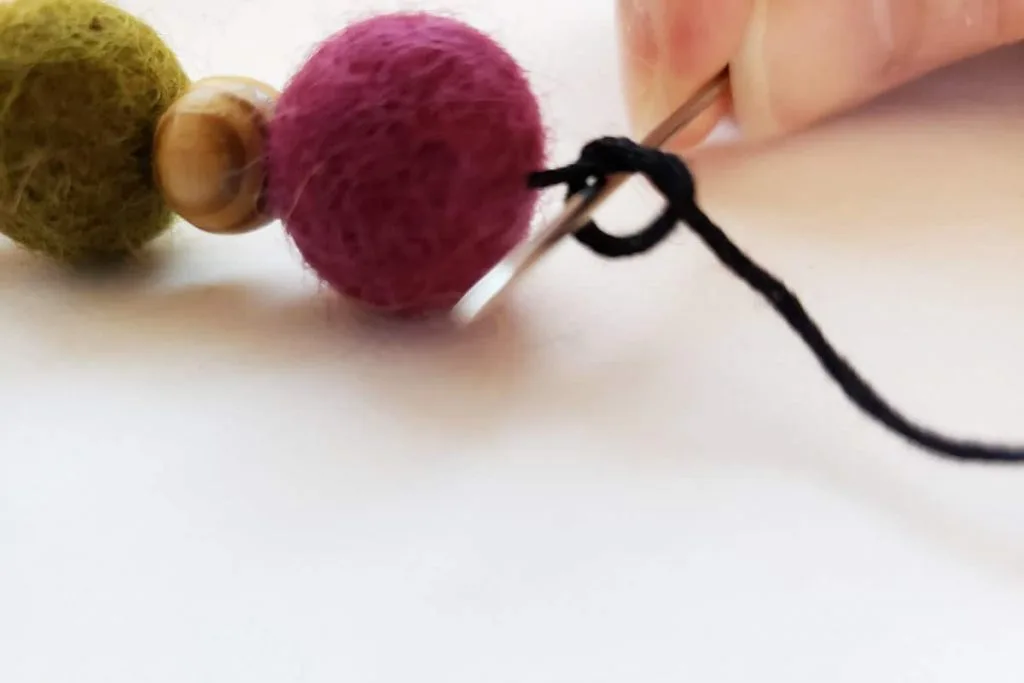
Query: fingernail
752, 97
638, 30
639, 50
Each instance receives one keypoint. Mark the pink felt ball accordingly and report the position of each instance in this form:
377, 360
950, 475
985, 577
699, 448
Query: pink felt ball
398, 160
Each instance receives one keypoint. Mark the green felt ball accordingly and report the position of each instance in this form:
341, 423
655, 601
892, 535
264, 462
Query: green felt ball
82, 87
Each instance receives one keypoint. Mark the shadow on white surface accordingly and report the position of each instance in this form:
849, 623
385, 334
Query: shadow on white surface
419, 372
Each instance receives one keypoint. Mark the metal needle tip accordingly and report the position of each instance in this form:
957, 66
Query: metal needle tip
483, 296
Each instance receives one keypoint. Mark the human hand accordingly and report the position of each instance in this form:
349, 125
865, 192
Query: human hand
794, 62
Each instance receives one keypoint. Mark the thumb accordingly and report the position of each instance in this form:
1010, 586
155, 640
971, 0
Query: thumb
803, 60
794, 62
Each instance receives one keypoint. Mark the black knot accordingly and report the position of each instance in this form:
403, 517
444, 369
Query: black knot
610, 156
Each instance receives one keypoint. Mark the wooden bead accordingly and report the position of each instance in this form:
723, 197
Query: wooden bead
209, 151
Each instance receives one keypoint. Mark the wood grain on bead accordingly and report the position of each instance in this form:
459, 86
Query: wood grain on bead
209, 153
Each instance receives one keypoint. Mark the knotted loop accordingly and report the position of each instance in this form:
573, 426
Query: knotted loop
609, 156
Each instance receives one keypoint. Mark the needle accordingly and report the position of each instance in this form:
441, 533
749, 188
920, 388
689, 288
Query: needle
491, 287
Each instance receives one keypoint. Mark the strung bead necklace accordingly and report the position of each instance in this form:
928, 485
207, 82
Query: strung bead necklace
404, 160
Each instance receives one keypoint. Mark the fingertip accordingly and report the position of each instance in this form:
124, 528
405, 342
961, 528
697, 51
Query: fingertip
668, 49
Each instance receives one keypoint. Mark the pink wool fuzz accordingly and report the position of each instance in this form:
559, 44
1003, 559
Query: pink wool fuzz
398, 160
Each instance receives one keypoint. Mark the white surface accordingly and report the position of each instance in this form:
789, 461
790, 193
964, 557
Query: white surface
208, 475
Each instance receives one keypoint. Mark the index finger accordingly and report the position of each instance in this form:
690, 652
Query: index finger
668, 49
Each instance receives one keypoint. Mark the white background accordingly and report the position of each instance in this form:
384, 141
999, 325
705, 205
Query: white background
211, 474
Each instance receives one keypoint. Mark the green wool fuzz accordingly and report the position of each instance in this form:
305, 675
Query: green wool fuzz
82, 86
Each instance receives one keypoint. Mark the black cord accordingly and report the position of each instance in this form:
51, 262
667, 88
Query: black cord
672, 178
